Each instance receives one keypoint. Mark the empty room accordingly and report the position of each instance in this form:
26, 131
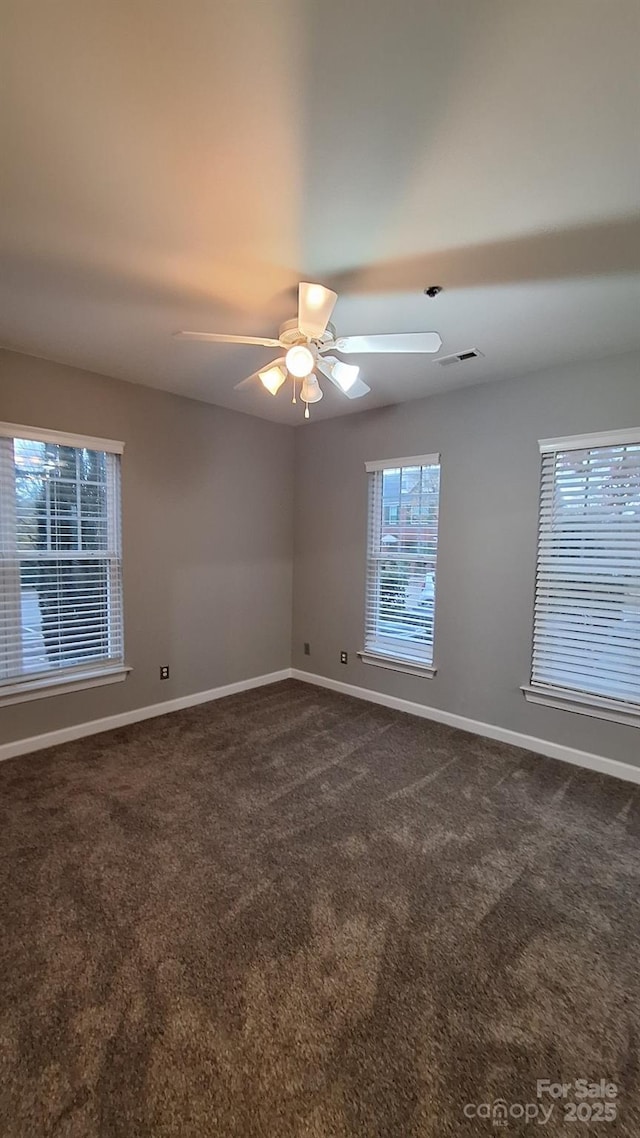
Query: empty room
319, 568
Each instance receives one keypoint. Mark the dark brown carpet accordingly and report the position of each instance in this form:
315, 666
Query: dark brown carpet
292, 913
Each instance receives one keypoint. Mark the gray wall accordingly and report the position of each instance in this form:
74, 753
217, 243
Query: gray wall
487, 436
208, 515
207, 533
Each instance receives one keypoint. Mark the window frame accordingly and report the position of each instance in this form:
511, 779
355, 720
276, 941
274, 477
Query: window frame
576, 699
15, 687
408, 663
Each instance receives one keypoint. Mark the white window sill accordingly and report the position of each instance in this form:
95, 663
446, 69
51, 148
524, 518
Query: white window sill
598, 707
425, 671
40, 688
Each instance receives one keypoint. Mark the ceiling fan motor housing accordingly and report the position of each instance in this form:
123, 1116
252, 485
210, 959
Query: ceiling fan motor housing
290, 334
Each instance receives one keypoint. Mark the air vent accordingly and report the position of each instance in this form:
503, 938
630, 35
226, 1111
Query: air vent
459, 357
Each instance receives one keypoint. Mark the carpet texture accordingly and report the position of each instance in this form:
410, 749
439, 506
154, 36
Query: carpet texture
291, 913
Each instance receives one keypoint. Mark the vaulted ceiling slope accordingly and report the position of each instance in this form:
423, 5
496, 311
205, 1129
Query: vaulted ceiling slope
184, 165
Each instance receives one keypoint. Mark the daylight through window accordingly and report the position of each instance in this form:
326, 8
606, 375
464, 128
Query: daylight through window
60, 558
401, 566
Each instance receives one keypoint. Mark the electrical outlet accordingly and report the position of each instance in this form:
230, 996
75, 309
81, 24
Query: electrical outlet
307, 648
344, 658
164, 671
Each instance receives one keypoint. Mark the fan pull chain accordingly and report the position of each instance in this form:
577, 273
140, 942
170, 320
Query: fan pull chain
306, 411
294, 400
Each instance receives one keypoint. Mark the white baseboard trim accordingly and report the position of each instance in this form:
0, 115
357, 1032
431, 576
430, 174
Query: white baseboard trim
95, 726
585, 759
600, 763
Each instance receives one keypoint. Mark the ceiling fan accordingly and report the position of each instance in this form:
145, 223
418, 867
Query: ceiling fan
309, 341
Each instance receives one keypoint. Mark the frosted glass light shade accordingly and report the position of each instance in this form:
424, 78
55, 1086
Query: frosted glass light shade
300, 360
345, 374
311, 391
273, 377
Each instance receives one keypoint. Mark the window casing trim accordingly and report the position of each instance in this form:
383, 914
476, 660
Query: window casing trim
61, 438
616, 711
18, 687
625, 437
395, 654
548, 694
398, 664
392, 463
80, 680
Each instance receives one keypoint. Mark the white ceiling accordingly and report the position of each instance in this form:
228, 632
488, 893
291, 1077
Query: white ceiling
182, 165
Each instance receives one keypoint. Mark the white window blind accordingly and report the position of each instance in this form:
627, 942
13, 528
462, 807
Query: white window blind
587, 602
401, 565
60, 557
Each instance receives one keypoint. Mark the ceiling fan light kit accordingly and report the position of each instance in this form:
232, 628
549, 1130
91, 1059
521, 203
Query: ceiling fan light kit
300, 360
310, 392
345, 375
273, 376
306, 340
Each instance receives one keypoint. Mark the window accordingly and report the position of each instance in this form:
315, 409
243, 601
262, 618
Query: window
60, 563
401, 563
586, 644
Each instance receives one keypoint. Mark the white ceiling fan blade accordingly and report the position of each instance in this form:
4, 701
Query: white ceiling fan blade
343, 376
246, 383
218, 338
395, 342
315, 305
272, 381
357, 390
